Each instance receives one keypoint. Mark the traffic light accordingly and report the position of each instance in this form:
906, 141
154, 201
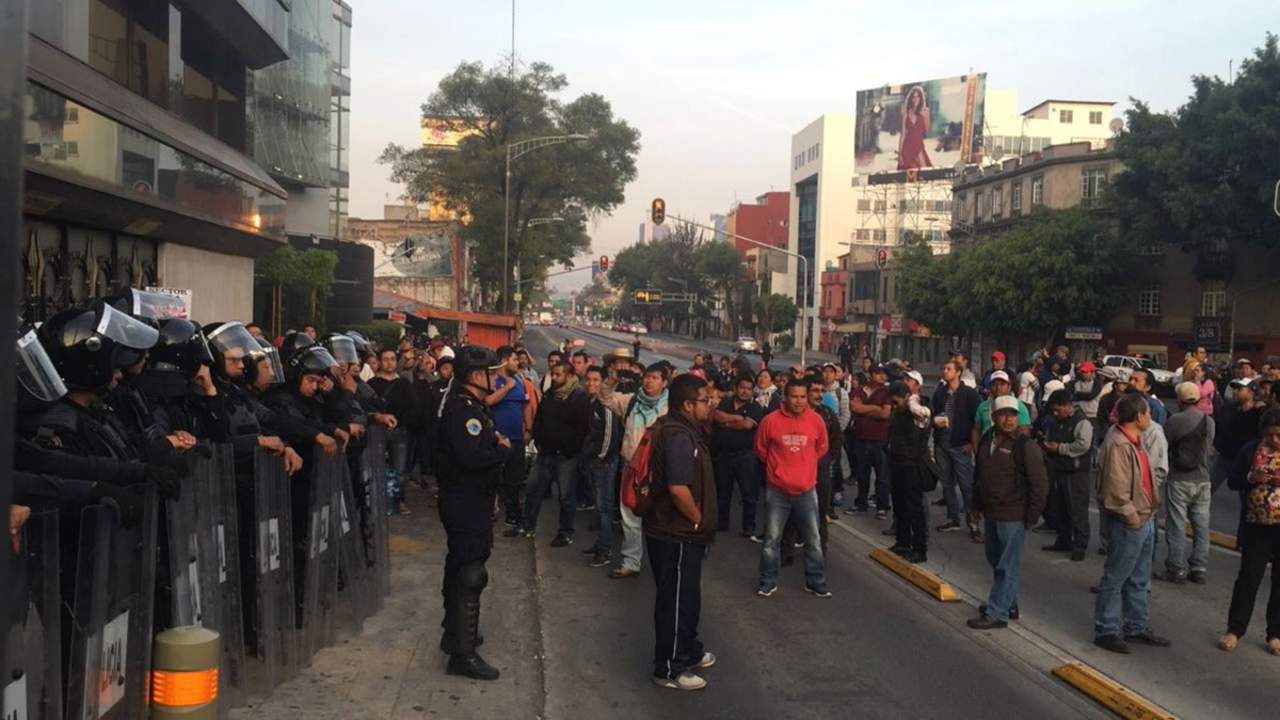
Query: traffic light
604, 263
659, 211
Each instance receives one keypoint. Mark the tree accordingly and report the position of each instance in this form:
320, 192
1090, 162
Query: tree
777, 313
722, 266
1052, 269
1206, 172
300, 282
573, 181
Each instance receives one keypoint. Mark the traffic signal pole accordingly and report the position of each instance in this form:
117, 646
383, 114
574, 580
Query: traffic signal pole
804, 270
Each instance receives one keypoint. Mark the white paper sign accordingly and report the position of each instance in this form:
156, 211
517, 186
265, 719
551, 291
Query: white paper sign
114, 662
15, 700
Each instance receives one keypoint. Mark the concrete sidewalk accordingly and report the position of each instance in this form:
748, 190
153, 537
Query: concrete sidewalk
394, 670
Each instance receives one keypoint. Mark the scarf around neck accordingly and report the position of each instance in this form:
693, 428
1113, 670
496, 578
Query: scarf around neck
563, 391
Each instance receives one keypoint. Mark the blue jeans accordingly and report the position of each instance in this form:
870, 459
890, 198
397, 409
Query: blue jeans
1187, 501
1004, 542
1126, 578
803, 511
548, 469
605, 476
957, 471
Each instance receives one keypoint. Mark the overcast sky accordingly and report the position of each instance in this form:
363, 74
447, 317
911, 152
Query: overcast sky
716, 88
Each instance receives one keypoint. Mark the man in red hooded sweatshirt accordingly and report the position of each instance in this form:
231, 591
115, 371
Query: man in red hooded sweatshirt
790, 443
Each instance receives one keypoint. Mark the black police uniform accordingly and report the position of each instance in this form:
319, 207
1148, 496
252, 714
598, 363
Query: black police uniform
468, 461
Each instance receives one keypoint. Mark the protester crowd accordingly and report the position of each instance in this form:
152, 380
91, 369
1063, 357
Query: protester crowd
1015, 451
653, 457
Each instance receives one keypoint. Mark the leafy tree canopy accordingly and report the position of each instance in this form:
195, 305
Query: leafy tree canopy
1208, 170
574, 181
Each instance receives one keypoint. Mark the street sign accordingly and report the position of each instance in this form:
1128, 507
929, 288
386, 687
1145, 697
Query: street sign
648, 297
1209, 331
882, 258
1083, 332
396, 316
517, 296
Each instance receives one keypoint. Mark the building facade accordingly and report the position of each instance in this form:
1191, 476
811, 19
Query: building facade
766, 220
419, 259
1220, 296
820, 217
138, 166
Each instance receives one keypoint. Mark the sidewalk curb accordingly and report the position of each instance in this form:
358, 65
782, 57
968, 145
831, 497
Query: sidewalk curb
1110, 694
1223, 540
916, 575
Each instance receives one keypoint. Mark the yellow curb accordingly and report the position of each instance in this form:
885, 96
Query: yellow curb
1110, 694
1221, 539
916, 575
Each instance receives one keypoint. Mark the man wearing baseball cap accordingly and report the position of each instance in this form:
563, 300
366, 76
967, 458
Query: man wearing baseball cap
1009, 492
1086, 388
998, 364
1000, 387
1238, 426
1190, 433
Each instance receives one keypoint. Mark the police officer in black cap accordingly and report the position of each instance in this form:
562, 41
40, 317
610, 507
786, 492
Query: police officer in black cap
468, 460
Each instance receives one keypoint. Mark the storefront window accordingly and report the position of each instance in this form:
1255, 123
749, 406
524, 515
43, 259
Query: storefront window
125, 158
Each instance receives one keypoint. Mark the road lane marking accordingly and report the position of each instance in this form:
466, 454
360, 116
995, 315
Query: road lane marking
1110, 694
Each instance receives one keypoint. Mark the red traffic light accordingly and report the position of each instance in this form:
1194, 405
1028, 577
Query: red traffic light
659, 211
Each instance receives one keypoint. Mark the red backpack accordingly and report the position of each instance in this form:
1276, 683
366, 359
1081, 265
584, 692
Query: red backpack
637, 478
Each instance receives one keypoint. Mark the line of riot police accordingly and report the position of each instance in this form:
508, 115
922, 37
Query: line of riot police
171, 474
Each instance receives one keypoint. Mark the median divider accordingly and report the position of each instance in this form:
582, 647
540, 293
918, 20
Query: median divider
1223, 540
1110, 694
916, 575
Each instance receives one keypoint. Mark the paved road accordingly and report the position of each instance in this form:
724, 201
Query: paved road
1192, 678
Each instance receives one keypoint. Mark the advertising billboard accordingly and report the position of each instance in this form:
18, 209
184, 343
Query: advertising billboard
917, 127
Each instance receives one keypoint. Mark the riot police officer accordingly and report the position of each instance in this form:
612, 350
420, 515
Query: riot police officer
469, 457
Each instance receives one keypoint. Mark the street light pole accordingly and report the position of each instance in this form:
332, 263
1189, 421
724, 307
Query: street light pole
514, 151
804, 270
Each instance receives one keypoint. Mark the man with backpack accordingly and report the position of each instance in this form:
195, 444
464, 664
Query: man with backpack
1009, 492
679, 525
1068, 449
1190, 434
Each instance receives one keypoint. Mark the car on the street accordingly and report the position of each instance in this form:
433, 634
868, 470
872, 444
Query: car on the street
746, 344
1164, 379
639, 329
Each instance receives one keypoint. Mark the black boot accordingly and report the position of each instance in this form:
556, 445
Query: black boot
464, 660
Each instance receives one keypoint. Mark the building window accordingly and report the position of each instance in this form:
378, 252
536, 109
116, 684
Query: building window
977, 205
878, 235
1037, 190
1066, 116
1213, 298
997, 203
1149, 300
1095, 117
73, 114
864, 205
1015, 198
1093, 182
73, 148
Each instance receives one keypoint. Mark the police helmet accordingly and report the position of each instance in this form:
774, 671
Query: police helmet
88, 344
363, 347
342, 348
182, 346
229, 343
293, 342
313, 360
38, 382
272, 354
471, 358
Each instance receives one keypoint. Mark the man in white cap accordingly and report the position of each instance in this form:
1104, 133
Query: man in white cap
1009, 492
1187, 491
1000, 387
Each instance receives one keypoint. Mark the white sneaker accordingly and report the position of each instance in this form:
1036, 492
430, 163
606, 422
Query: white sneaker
708, 659
766, 592
683, 681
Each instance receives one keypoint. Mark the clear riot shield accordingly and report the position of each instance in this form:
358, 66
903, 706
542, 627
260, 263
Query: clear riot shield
187, 557
353, 567
223, 523
112, 614
270, 637
371, 491
32, 636
316, 552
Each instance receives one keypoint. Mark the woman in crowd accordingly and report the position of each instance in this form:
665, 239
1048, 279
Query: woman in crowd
1259, 538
